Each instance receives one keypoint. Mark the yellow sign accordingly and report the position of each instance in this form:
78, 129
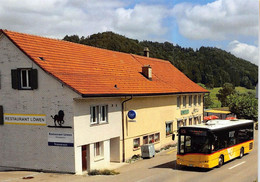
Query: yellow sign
25, 119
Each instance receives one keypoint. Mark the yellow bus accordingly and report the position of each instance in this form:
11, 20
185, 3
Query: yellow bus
213, 143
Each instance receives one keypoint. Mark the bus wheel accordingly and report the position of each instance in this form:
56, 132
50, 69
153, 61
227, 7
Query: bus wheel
241, 153
220, 161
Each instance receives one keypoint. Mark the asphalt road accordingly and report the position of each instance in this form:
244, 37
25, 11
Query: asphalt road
161, 168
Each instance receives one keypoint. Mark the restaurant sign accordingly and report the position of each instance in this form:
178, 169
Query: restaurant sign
25, 119
60, 139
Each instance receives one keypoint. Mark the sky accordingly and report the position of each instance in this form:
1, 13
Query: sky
231, 25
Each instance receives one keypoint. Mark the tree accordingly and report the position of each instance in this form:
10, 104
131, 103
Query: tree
223, 93
208, 101
243, 105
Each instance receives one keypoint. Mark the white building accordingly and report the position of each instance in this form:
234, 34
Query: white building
63, 105
29, 96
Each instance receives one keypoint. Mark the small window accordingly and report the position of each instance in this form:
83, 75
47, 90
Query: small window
179, 123
103, 113
199, 100
184, 101
168, 128
151, 138
136, 143
185, 122
145, 140
156, 137
98, 114
190, 100
178, 101
190, 121
94, 114
98, 149
195, 100
24, 79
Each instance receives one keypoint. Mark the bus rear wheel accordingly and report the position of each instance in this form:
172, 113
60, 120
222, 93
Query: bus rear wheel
220, 161
241, 153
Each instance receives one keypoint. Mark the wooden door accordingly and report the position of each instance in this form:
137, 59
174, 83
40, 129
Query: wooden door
84, 158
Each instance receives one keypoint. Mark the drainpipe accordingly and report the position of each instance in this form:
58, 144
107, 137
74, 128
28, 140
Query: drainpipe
123, 125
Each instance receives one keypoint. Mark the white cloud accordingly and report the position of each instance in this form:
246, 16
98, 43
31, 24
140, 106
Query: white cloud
244, 51
56, 18
219, 20
141, 21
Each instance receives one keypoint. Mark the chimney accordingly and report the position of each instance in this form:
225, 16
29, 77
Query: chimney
147, 71
146, 52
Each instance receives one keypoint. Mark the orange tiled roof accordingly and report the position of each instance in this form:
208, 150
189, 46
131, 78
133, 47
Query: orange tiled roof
94, 71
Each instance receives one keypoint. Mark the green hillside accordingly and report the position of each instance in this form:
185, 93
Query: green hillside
208, 65
214, 92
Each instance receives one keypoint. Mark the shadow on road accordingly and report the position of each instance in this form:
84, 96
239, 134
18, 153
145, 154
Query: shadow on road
173, 165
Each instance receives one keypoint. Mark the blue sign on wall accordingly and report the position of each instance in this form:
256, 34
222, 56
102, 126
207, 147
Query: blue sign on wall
131, 114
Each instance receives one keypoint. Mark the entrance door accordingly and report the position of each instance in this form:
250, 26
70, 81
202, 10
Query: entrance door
84, 157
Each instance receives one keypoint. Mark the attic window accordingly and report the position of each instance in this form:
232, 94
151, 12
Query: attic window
42, 58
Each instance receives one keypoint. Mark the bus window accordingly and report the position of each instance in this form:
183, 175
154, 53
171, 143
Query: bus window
188, 144
182, 144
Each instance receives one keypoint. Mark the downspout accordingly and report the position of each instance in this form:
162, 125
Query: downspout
123, 126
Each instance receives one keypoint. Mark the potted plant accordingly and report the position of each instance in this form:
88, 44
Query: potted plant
136, 146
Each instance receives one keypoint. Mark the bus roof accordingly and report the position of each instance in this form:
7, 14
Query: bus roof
219, 123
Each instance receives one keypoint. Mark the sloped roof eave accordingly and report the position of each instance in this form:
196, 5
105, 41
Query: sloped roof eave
140, 94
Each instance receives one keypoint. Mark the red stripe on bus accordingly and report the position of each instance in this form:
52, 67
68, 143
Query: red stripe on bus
216, 151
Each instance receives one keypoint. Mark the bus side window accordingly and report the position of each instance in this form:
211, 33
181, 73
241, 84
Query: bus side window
182, 144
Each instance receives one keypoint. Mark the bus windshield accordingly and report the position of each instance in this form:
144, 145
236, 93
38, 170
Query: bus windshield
194, 144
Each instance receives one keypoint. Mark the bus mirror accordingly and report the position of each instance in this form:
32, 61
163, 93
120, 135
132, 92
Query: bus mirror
173, 136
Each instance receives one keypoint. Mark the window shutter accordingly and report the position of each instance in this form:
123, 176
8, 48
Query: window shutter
34, 79
1, 115
15, 79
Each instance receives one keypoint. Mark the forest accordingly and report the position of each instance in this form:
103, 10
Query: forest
207, 65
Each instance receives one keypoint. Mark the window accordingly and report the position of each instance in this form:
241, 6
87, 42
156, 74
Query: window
98, 114
190, 100
94, 114
178, 101
195, 100
184, 101
199, 100
103, 113
168, 128
185, 122
136, 143
190, 121
24, 79
156, 137
179, 123
98, 149
151, 138
145, 140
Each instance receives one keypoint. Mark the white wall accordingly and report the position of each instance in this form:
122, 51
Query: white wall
86, 134
26, 146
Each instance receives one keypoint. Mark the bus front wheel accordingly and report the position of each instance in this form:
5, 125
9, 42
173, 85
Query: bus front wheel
220, 161
241, 153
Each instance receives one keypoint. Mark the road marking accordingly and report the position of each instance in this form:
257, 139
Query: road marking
237, 165
174, 150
